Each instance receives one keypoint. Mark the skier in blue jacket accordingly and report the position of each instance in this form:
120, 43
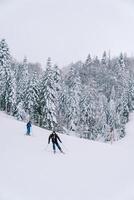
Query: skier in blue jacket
28, 128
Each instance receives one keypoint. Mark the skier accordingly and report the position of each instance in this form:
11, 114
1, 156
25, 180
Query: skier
54, 138
28, 128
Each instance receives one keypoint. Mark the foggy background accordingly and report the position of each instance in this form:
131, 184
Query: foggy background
67, 30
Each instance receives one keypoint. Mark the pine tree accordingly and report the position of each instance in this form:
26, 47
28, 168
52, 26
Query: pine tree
31, 97
112, 113
73, 99
20, 113
58, 85
88, 60
22, 79
62, 109
104, 58
123, 93
48, 98
6, 78
93, 116
11, 94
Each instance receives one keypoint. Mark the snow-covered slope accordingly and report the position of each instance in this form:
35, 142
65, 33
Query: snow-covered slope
88, 170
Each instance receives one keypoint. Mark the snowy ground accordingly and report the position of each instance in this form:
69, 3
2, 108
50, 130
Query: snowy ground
88, 171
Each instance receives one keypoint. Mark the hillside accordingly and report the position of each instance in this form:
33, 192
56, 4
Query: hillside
88, 170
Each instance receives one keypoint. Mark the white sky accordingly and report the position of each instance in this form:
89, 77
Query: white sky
67, 30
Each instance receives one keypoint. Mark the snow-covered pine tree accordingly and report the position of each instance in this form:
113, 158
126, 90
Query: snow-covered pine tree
101, 128
104, 59
131, 91
48, 98
31, 97
123, 77
62, 109
22, 78
72, 112
7, 82
112, 116
87, 70
58, 85
20, 113
11, 94
88, 60
103, 76
91, 112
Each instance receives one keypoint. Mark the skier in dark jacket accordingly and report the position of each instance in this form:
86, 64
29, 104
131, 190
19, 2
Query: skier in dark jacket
29, 127
55, 138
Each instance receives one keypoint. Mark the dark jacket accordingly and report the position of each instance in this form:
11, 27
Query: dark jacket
54, 138
28, 125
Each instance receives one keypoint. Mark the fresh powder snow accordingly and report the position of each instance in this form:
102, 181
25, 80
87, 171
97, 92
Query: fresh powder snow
88, 170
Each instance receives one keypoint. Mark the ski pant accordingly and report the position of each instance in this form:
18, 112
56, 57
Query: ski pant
54, 146
28, 131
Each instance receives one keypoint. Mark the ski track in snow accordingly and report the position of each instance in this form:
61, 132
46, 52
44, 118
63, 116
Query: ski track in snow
88, 171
